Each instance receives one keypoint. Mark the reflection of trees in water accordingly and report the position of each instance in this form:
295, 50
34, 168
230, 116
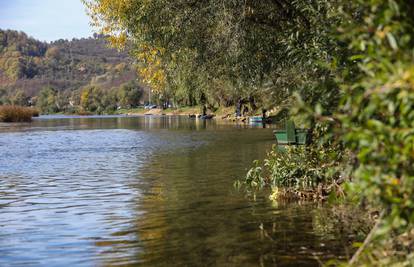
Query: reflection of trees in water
195, 220
193, 216
348, 223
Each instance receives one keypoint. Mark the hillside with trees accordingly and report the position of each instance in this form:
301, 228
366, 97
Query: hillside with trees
66, 75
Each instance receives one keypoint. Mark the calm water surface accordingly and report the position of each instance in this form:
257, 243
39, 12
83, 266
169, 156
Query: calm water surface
150, 191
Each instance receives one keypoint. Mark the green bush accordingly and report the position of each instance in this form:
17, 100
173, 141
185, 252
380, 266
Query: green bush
369, 140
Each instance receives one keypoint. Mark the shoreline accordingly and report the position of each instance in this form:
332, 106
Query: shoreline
221, 114
225, 114
149, 114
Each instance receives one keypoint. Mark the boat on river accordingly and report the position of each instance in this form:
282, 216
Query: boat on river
207, 117
256, 119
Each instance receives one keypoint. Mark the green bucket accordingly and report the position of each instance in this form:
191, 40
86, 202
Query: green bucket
301, 136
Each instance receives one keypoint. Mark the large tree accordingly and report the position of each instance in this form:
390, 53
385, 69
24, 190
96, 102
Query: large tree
257, 50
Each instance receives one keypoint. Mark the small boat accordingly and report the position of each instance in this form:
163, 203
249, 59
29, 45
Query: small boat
207, 117
256, 119
292, 135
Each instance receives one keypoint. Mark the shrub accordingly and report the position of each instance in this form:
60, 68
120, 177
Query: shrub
17, 114
312, 171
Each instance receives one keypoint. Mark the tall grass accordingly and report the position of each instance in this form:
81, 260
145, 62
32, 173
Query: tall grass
17, 113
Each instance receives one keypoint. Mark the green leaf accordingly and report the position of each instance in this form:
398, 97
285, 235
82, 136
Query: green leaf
392, 41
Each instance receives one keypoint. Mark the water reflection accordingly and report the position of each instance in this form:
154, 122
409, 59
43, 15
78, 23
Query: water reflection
146, 190
194, 217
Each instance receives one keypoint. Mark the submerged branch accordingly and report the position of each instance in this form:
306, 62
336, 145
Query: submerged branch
367, 241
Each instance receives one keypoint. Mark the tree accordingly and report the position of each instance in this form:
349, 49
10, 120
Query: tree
70, 65
47, 100
130, 94
110, 100
53, 53
259, 47
19, 98
86, 99
95, 99
3, 96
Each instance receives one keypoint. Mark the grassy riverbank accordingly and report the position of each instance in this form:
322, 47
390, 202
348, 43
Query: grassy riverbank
159, 111
138, 111
17, 114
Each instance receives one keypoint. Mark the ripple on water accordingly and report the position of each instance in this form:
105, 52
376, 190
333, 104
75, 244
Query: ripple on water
156, 191
61, 186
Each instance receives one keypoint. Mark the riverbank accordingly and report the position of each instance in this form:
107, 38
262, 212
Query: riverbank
227, 114
159, 111
222, 113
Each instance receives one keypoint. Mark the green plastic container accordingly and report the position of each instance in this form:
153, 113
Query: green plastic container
291, 132
281, 137
301, 136
291, 136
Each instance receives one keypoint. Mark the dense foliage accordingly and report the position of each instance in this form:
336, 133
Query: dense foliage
222, 52
377, 119
56, 73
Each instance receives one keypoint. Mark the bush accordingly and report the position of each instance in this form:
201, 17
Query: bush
303, 172
17, 114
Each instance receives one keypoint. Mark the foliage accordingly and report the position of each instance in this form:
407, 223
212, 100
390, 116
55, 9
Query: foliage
372, 124
17, 113
299, 172
297, 167
3, 98
47, 100
261, 51
130, 95
254, 177
17, 53
27, 66
376, 116
19, 98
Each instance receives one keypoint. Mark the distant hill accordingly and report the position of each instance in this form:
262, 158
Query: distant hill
28, 65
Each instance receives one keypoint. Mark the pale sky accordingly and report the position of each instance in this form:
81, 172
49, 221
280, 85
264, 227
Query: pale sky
46, 20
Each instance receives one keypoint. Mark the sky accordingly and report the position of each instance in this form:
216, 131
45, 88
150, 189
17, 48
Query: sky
46, 20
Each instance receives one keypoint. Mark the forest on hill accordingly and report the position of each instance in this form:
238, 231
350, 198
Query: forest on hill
66, 75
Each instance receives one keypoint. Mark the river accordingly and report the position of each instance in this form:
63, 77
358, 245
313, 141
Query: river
150, 191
